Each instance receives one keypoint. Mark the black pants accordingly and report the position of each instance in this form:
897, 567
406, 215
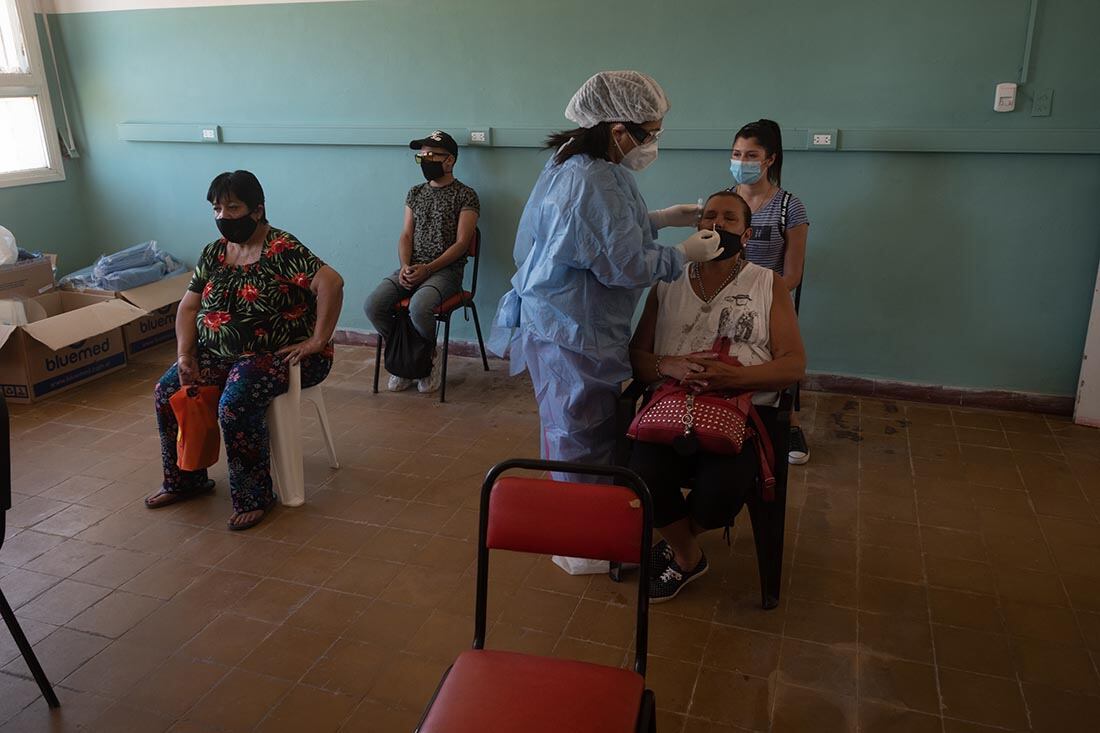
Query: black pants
720, 484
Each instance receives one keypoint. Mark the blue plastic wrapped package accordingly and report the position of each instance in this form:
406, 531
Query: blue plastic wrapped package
140, 255
129, 268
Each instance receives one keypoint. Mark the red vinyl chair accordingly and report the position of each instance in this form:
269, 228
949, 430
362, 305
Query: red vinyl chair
507, 692
443, 313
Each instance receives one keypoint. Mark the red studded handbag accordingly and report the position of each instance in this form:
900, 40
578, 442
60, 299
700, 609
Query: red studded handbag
716, 422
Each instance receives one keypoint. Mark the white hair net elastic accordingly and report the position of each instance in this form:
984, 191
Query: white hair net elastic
617, 96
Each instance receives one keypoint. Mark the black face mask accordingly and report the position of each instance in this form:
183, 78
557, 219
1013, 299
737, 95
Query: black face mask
729, 245
237, 230
432, 169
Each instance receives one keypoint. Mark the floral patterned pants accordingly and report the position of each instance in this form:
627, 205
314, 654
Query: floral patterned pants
248, 383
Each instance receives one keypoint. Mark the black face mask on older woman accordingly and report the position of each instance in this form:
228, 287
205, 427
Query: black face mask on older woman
729, 245
238, 230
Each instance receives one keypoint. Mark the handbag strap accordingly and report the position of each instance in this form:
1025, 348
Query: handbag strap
765, 451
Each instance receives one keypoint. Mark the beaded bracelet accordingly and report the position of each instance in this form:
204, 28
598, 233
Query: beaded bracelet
657, 366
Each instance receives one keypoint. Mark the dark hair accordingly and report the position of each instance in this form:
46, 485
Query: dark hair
592, 141
767, 134
745, 210
241, 184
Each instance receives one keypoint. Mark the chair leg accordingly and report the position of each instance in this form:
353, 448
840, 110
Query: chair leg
480, 341
326, 432
615, 572
767, 532
377, 362
446, 350
28, 653
647, 716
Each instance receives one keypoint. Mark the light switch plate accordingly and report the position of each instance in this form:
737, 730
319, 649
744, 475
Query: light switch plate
480, 136
822, 139
1044, 99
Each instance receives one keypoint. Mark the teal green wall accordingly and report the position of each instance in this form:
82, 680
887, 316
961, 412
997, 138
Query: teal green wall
962, 269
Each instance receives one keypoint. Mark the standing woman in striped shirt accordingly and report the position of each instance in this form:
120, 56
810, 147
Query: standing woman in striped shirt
779, 222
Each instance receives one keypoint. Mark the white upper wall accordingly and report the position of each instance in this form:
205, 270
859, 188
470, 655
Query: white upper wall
91, 6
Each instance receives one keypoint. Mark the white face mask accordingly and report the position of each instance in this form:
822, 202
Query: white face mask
640, 157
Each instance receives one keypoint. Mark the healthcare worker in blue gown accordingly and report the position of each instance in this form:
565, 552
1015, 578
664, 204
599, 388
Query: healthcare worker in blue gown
585, 252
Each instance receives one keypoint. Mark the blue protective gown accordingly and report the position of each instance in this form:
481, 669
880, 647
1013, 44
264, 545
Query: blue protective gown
584, 254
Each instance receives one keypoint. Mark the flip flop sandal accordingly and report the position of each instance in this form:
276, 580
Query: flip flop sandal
175, 497
253, 522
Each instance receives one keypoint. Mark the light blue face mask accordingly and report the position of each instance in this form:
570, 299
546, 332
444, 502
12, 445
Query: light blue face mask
745, 171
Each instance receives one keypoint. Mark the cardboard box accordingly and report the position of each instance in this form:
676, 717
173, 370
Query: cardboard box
158, 302
79, 340
27, 279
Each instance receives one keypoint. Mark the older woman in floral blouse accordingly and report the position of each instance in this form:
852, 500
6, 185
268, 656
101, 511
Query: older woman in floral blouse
259, 302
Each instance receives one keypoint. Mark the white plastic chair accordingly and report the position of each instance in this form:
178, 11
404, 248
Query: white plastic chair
284, 422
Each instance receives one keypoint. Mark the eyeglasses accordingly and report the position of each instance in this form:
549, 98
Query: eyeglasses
641, 134
423, 155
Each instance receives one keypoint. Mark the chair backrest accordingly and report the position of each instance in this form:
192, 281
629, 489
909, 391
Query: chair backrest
5, 467
596, 521
473, 252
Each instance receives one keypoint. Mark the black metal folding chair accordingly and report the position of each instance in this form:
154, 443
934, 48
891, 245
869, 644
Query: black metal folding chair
5, 608
768, 518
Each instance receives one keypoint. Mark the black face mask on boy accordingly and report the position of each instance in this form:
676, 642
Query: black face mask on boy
432, 169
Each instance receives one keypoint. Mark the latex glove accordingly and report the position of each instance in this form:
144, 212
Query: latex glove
701, 246
681, 215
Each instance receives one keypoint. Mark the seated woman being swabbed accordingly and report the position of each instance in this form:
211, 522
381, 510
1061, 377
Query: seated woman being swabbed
744, 309
259, 302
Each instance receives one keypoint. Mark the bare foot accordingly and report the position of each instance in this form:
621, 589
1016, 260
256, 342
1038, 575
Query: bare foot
245, 520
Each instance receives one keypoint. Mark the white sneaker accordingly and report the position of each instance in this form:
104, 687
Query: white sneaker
398, 384
431, 382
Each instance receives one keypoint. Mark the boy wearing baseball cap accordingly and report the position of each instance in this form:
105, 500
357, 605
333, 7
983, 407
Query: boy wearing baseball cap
440, 218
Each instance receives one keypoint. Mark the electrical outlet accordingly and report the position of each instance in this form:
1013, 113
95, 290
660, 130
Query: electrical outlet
823, 140
480, 136
210, 134
1040, 107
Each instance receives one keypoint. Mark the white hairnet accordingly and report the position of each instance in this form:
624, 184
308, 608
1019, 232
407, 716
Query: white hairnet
617, 96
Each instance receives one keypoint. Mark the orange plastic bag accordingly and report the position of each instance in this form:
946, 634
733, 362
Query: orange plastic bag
198, 440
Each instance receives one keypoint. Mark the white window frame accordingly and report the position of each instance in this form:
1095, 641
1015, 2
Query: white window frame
33, 84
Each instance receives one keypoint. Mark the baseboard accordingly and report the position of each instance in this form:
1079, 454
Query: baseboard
862, 386
887, 389
356, 337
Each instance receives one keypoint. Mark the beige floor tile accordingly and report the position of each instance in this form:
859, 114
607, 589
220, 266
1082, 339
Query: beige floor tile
308, 708
115, 614
115, 670
800, 709
349, 667
240, 701
63, 601
288, 653
177, 685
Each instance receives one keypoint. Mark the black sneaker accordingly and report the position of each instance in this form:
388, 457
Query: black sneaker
798, 452
665, 585
659, 557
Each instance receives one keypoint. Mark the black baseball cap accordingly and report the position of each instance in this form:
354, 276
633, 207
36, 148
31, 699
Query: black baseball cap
437, 139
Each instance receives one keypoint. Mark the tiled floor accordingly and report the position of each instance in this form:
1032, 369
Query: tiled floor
943, 575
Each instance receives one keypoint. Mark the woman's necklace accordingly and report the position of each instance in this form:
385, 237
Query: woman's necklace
760, 200
696, 273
